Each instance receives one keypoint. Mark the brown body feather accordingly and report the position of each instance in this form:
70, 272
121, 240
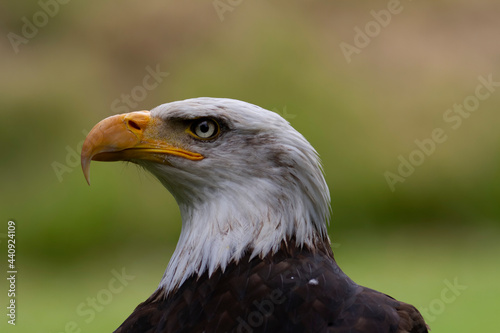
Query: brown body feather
294, 290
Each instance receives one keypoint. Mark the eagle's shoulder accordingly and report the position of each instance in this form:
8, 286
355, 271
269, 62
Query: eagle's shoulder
294, 290
373, 311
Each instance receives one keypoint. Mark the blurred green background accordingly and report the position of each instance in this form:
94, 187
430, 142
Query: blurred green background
437, 228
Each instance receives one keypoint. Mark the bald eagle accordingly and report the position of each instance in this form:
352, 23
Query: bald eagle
254, 253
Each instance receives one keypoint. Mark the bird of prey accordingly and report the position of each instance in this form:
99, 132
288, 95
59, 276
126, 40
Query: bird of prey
254, 253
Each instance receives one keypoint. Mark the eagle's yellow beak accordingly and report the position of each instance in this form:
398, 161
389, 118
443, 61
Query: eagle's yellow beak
126, 137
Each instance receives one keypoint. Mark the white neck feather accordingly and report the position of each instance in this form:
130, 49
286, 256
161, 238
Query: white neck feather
250, 215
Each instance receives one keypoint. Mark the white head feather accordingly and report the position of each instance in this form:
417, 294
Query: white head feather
260, 184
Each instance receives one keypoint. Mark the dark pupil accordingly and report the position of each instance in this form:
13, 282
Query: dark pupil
204, 127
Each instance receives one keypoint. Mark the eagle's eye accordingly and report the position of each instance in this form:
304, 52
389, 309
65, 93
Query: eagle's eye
204, 129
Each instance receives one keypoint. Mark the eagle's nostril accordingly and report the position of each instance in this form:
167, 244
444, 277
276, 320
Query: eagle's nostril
134, 125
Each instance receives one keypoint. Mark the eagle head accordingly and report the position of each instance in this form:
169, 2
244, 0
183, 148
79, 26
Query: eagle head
244, 179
